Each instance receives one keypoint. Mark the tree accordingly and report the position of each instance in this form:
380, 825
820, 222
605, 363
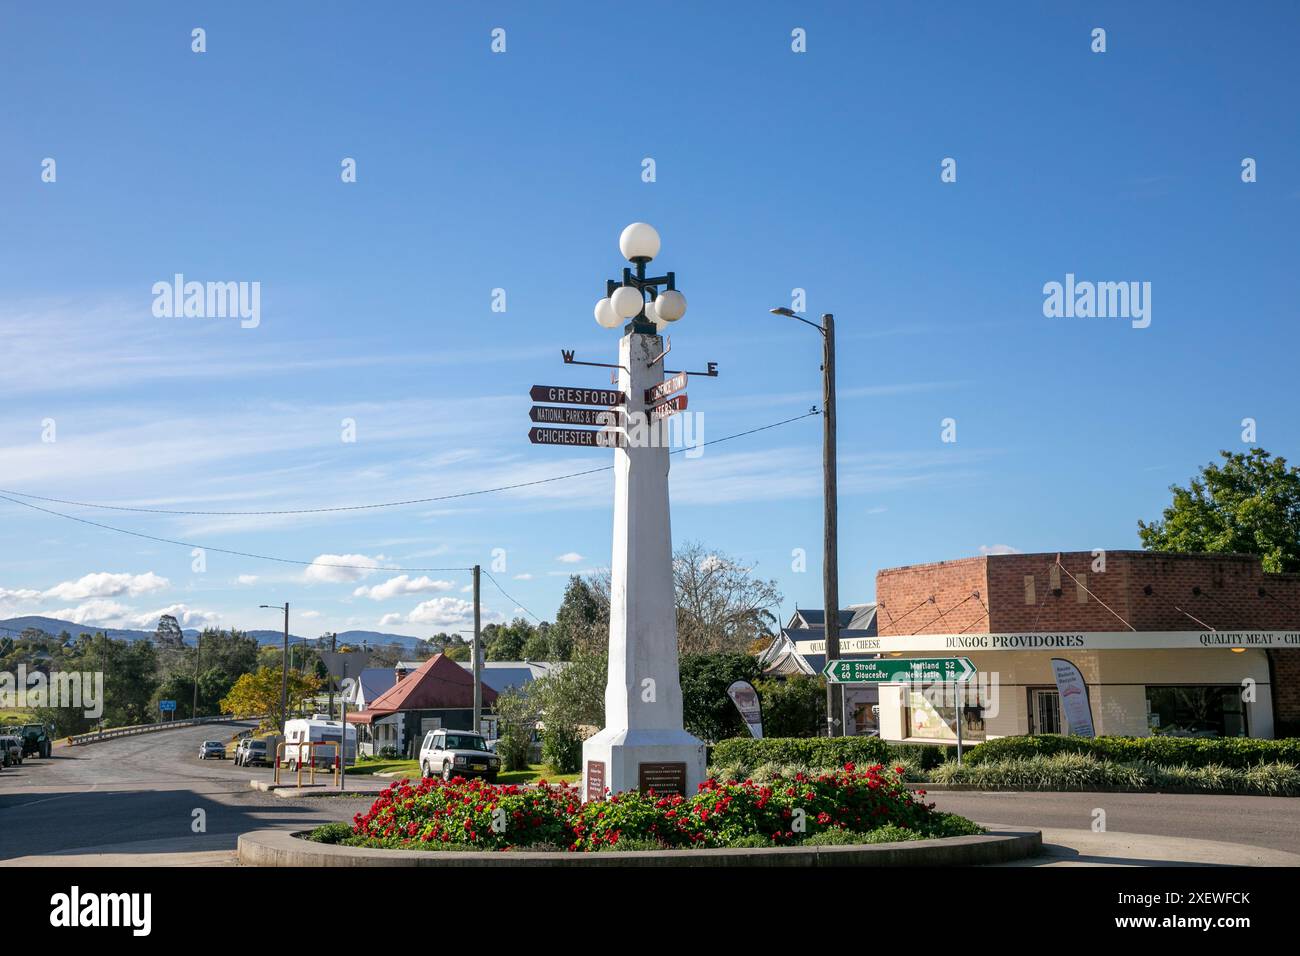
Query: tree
582, 622
1248, 505
721, 607
707, 711
508, 640
129, 669
573, 703
518, 711
259, 693
168, 633
794, 706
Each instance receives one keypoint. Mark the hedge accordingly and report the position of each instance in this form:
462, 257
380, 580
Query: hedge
1071, 771
823, 752
1235, 752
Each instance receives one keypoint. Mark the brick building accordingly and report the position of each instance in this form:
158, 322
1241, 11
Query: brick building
1189, 643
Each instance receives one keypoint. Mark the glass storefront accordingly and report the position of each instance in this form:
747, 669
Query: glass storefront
1196, 711
931, 712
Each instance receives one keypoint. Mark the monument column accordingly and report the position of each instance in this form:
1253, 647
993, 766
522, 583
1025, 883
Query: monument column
643, 744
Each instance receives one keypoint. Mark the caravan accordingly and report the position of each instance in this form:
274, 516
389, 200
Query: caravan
300, 735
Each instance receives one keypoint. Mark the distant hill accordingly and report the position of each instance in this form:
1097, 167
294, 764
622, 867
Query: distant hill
54, 627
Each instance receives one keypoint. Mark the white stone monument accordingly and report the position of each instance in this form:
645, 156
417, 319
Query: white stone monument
643, 744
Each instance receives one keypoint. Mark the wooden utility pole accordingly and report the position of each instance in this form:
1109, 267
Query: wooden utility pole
476, 650
830, 536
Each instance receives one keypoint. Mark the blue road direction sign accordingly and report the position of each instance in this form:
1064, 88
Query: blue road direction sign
166, 705
899, 670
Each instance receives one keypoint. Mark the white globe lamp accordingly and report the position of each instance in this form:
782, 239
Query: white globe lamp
671, 305
606, 317
627, 301
639, 242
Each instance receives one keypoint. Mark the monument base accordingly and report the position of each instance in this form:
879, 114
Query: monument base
667, 761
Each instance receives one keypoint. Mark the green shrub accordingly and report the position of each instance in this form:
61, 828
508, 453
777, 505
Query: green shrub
1073, 771
1063, 771
330, 833
1236, 752
743, 756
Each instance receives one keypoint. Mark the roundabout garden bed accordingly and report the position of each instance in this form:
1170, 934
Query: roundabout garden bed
844, 807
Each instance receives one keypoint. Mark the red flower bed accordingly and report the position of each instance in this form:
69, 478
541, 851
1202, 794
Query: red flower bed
783, 812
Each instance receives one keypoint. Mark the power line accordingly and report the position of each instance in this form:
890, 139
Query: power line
204, 547
4, 496
508, 597
381, 504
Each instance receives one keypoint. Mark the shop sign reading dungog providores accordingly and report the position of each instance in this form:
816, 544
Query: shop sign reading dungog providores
1060, 641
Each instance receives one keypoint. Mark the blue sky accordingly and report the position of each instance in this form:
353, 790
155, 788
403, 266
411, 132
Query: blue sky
775, 170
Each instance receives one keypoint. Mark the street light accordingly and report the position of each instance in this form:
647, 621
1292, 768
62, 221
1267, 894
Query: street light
830, 536
626, 300
284, 666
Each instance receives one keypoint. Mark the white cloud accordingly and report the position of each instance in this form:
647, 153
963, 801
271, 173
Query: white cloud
390, 619
185, 615
402, 584
523, 577
998, 549
571, 557
103, 613
442, 612
104, 584
339, 568
10, 597
310, 615
248, 579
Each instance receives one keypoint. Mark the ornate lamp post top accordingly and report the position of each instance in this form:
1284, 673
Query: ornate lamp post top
626, 300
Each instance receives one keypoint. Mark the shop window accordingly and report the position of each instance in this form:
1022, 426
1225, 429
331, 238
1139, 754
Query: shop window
1044, 710
931, 712
1196, 711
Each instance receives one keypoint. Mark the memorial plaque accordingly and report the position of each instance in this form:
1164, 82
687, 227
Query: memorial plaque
664, 388
578, 437
595, 780
568, 395
564, 415
663, 778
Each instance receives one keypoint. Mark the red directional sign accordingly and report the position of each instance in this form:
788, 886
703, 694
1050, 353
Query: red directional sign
669, 407
579, 437
564, 415
569, 395
665, 388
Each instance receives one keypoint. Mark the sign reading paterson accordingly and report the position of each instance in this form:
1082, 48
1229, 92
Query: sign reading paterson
570, 395
918, 670
575, 436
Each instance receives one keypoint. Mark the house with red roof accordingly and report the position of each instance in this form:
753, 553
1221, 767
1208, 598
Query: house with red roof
439, 693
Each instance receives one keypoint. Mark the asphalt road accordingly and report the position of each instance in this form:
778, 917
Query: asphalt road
1270, 822
140, 794
136, 798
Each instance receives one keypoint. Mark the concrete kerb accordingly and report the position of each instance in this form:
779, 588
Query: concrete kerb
1000, 845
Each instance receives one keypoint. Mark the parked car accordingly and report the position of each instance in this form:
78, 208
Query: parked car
458, 753
252, 752
212, 748
11, 750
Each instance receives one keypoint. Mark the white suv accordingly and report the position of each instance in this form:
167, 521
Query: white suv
457, 753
